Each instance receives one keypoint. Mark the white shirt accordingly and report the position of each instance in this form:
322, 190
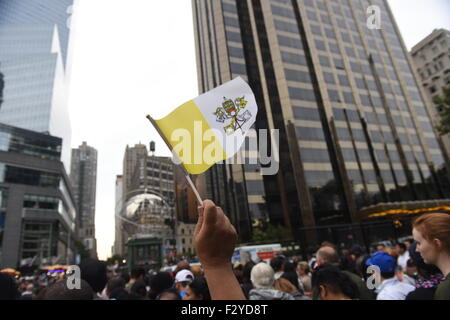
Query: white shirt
278, 275
403, 259
392, 289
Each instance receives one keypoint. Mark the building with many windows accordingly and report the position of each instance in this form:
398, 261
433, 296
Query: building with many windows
34, 51
354, 128
37, 206
83, 175
119, 244
147, 183
431, 58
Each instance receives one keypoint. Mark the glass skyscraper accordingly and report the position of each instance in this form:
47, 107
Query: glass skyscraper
355, 135
34, 41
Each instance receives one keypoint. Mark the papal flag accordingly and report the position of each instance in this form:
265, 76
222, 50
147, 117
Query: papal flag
211, 127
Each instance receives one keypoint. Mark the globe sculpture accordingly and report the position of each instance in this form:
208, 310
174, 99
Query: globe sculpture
148, 215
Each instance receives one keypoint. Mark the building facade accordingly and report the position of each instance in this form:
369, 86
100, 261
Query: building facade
134, 157
119, 244
38, 210
34, 46
185, 238
186, 201
83, 175
354, 129
144, 176
431, 58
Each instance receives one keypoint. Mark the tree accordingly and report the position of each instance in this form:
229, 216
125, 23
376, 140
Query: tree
443, 105
272, 233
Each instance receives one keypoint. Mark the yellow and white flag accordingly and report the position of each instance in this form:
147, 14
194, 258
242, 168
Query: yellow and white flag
211, 127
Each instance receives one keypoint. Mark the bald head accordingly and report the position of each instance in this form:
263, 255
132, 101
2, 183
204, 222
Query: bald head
327, 255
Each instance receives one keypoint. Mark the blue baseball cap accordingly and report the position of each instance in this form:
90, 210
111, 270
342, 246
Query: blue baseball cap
384, 261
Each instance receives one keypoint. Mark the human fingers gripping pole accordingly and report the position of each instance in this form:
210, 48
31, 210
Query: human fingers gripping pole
188, 178
210, 213
199, 225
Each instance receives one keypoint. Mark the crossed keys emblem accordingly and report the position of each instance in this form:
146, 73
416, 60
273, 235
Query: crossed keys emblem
233, 110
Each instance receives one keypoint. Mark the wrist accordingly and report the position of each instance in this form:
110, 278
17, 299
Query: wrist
225, 267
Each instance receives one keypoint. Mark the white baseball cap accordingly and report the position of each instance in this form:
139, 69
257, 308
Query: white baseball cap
184, 276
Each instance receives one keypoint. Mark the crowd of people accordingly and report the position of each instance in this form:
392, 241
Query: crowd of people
414, 270
99, 283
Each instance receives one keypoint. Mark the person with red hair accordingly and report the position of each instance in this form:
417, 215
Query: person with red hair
432, 234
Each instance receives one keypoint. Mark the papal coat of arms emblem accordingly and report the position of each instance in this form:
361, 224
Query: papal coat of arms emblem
233, 110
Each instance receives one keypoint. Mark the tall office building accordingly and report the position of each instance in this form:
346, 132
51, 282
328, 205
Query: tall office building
37, 205
119, 244
83, 175
134, 157
34, 46
146, 177
354, 129
431, 58
2, 86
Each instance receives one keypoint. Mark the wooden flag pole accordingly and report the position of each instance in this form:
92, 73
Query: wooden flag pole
187, 176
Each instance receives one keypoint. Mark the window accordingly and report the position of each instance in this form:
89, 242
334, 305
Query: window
333, 48
302, 94
231, 22
365, 100
324, 61
316, 30
329, 78
343, 80
339, 114
286, 26
283, 12
320, 45
348, 98
229, 7
346, 37
233, 36
11, 174
238, 68
296, 75
330, 34
311, 15
40, 202
290, 42
360, 83
293, 58
302, 113
334, 96
350, 52
236, 52
314, 155
310, 134
255, 187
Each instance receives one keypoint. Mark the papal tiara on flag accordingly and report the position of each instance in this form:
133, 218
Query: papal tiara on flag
209, 128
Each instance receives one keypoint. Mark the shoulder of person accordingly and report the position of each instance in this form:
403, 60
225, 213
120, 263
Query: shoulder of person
421, 294
443, 290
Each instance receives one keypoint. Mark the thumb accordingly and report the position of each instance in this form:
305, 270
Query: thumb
199, 225
209, 213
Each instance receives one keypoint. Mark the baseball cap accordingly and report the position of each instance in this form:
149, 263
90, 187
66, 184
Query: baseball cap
184, 276
383, 260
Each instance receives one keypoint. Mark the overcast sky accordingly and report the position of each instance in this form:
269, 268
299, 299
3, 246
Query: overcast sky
134, 57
